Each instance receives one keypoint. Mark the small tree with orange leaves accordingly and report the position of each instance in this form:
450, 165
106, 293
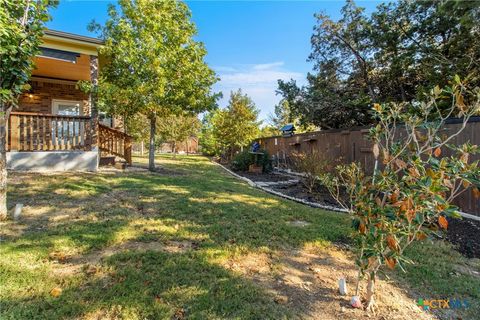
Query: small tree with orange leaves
418, 172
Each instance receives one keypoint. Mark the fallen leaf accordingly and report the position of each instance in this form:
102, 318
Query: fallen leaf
281, 299
437, 152
56, 292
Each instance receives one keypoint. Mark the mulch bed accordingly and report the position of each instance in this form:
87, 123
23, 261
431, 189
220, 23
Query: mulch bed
321, 195
463, 233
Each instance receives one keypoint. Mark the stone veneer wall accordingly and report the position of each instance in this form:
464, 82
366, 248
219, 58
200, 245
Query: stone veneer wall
39, 98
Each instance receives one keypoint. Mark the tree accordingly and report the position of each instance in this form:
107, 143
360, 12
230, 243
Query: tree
286, 114
410, 194
155, 67
268, 131
21, 28
237, 125
177, 128
397, 54
225, 130
208, 144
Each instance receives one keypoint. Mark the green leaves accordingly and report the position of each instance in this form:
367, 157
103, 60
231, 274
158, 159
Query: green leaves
411, 194
21, 29
234, 127
154, 64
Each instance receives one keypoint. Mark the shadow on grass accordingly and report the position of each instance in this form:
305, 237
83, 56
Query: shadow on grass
87, 212
153, 285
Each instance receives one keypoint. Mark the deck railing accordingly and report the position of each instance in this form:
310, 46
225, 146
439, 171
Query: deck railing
47, 132
115, 142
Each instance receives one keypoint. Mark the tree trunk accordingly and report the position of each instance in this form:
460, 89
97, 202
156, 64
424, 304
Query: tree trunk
141, 148
370, 298
174, 149
3, 166
151, 151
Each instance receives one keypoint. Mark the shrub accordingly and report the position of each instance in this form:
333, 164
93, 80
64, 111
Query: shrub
410, 196
312, 165
244, 159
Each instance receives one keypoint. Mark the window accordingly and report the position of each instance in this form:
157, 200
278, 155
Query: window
67, 107
105, 119
67, 129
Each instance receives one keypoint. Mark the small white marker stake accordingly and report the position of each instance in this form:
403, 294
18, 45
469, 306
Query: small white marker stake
342, 286
18, 211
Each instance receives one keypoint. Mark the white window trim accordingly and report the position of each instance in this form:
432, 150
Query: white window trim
57, 101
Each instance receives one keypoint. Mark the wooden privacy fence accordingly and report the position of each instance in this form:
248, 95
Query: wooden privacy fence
46, 132
115, 142
352, 145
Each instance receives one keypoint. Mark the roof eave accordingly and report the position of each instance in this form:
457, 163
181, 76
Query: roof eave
75, 37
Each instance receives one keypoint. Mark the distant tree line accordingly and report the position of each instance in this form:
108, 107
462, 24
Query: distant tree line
396, 54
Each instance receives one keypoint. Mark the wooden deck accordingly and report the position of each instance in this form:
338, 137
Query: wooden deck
29, 132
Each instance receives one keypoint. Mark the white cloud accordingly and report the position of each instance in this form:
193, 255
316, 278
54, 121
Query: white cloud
259, 81
265, 66
224, 69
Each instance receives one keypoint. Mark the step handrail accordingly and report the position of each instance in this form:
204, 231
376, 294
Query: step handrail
115, 142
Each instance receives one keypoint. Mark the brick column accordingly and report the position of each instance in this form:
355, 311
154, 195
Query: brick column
93, 101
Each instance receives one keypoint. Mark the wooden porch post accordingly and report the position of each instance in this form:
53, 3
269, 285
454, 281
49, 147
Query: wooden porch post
93, 101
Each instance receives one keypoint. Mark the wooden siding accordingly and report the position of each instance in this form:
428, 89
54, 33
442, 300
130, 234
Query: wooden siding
58, 69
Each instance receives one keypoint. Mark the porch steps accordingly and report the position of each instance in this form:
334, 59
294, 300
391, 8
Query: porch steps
107, 160
111, 161
113, 142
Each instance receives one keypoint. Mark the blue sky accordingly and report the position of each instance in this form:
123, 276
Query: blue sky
250, 44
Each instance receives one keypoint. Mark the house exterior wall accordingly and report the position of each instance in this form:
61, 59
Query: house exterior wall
39, 98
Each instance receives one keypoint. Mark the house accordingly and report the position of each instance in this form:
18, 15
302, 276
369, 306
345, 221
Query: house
56, 126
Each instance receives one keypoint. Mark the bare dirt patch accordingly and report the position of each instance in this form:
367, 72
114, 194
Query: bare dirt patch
308, 283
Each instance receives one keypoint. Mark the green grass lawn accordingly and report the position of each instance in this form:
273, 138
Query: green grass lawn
208, 216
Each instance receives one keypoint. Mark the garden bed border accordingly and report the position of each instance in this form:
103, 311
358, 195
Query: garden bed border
308, 203
279, 194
